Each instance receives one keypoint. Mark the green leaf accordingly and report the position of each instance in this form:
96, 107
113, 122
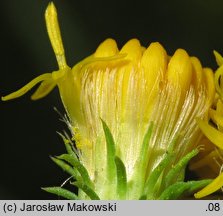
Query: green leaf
121, 178
143, 197
154, 176
197, 185
174, 191
136, 185
80, 168
110, 152
61, 192
177, 170
152, 180
91, 193
144, 151
179, 189
66, 167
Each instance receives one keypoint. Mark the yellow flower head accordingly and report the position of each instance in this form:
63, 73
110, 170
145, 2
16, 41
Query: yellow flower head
213, 130
131, 90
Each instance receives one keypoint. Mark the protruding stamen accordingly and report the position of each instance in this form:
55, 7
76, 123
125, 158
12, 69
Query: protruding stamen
53, 30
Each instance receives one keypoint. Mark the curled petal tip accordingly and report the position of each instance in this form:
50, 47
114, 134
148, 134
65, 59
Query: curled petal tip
218, 57
27, 87
211, 133
215, 185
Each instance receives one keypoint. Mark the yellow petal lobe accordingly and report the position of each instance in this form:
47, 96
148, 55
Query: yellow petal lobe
180, 70
218, 119
197, 76
133, 50
219, 107
218, 57
107, 48
154, 62
209, 83
218, 82
211, 188
211, 133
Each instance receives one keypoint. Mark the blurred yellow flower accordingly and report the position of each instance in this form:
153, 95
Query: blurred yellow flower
213, 130
131, 90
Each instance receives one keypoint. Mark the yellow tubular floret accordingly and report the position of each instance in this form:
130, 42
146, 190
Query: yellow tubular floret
211, 133
180, 70
154, 62
129, 89
219, 113
209, 83
106, 49
217, 80
133, 50
211, 188
197, 72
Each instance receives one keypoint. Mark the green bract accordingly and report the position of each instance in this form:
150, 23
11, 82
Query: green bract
156, 186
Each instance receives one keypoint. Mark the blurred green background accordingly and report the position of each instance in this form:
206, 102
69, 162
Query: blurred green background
28, 129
